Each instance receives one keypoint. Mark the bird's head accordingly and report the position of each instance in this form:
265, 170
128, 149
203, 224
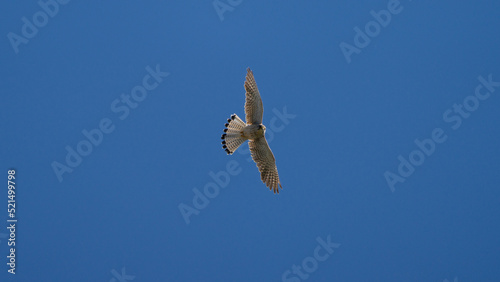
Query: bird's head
263, 128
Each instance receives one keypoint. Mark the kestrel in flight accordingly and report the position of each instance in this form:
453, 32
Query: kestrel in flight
237, 132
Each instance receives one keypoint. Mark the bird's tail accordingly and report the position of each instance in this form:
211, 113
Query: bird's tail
233, 134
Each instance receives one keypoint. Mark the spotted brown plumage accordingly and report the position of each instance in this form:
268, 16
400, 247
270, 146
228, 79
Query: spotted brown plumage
237, 132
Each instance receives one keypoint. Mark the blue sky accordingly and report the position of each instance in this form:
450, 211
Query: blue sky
382, 116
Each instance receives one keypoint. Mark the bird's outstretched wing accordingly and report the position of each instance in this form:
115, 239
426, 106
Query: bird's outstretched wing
253, 104
264, 158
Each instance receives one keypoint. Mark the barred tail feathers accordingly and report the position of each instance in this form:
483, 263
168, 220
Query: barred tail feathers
232, 137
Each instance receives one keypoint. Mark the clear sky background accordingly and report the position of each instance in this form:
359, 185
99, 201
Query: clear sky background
337, 123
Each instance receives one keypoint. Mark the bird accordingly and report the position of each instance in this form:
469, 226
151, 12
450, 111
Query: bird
237, 132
